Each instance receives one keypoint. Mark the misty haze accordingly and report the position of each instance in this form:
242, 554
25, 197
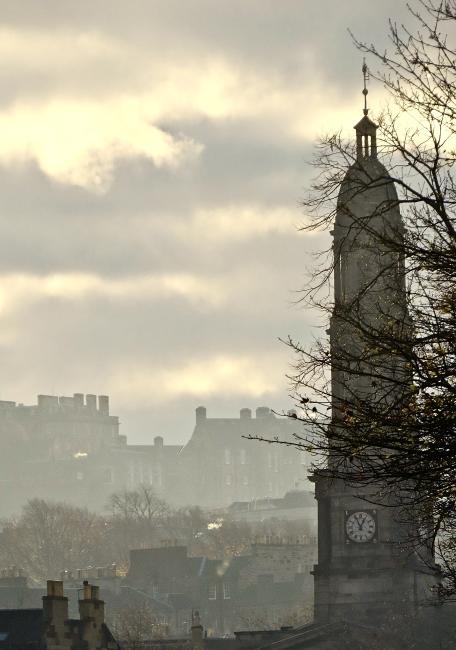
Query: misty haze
228, 325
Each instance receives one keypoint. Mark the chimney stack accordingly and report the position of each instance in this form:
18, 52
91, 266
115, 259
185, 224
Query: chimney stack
245, 414
91, 608
91, 613
103, 404
55, 612
263, 412
48, 402
200, 414
91, 402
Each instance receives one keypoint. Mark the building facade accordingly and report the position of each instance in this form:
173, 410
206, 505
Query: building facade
270, 584
71, 449
227, 465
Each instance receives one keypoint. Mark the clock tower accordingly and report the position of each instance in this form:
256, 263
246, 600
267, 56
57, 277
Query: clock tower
366, 573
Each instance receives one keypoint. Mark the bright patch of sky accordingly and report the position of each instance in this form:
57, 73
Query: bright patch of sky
152, 159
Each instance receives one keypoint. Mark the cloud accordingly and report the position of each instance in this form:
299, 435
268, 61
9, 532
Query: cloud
151, 162
140, 384
79, 143
232, 224
77, 131
19, 290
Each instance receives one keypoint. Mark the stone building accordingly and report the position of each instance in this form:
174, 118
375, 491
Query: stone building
365, 571
70, 448
226, 466
270, 583
44, 448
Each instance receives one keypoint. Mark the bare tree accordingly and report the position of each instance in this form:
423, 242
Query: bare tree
133, 626
49, 537
139, 505
137, 520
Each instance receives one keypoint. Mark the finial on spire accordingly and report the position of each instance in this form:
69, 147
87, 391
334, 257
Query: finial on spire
365, 91
366, 138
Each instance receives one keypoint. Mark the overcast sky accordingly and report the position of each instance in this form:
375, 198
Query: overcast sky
152, 158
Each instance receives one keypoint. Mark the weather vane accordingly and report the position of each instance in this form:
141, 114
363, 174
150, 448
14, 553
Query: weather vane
365, 91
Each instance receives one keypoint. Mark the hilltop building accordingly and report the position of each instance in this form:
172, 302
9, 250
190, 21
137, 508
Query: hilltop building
70, 448
225, 466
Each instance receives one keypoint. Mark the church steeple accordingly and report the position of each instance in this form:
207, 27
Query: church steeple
364, 572
366, 129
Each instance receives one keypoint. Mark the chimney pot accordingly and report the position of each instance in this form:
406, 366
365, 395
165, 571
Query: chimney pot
55, 588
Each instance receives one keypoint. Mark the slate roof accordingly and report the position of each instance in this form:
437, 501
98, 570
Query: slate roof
292, 499
21, 627
315, 635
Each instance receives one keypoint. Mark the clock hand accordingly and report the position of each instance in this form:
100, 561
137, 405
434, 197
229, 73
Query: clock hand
360, 521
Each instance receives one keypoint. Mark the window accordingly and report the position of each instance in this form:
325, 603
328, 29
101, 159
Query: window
228, 479
243, 457
226, 591
245, 480
227, 456
212, 592
79, 476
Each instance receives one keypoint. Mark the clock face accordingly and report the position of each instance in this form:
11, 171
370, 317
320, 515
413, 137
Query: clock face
361, 526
